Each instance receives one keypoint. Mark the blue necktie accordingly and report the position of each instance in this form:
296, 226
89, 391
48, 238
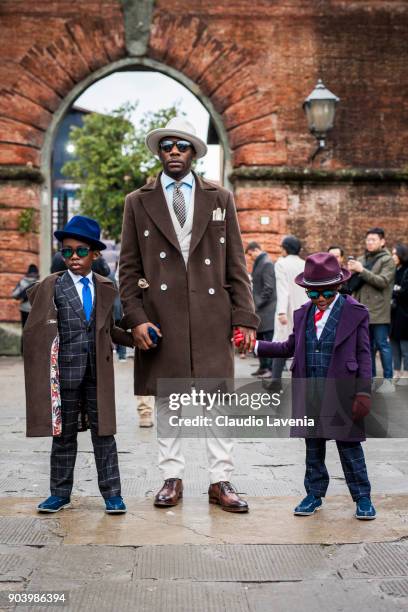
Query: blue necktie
86, 298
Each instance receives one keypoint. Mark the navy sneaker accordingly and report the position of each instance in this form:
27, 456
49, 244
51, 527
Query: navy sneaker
365, 510
115, 505
308, 505
53, 504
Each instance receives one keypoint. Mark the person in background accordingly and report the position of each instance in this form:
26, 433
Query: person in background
338, 252
290, 297
118, 313
100, 266
20, 293
399, 315
372, 284
264, 292
58, 263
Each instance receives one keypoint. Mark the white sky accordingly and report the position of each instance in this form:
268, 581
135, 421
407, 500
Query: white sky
153, 91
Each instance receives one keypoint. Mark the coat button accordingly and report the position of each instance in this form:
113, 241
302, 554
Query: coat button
207, 262
163, 255
146, 233
107, 358
211, 291
163, 287
222, 239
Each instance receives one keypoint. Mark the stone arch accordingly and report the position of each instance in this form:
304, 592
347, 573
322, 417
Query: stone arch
76, 91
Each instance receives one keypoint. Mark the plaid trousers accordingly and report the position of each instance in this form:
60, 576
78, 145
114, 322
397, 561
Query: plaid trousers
64, 447
352, 462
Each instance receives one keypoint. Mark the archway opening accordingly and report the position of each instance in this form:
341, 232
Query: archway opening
153, 86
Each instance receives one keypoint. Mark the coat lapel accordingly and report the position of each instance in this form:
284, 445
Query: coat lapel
105, 295
68, 287
154, 202
350, 319
204, 204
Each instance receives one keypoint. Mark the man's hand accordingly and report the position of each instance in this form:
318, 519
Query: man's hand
141, 336
244, 339
361, 407
282, 318
355, 266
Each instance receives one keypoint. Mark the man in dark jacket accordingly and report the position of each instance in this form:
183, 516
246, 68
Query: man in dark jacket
264, 292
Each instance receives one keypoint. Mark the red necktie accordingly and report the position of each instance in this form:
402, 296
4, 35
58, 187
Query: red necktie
317, 316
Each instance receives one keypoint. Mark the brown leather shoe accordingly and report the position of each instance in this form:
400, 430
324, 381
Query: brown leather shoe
170, 493
225, 495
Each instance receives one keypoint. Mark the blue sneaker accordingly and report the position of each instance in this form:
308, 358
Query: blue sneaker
308, 506
53, 504
365, 510
115, 505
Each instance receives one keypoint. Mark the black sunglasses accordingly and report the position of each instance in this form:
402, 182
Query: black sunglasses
81, 251
167, 145
314, 294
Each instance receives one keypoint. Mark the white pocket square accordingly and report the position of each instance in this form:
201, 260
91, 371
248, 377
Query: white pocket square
218, 214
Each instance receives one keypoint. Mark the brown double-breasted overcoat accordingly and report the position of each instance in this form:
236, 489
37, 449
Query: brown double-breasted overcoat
196, 305
40, 332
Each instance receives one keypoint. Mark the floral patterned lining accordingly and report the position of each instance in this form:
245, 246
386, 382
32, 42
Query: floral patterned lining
55, 389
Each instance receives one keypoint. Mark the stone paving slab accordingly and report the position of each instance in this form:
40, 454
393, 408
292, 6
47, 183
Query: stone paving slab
194, 521
29, 530
75, 566
231, 563
326, 596
154, 597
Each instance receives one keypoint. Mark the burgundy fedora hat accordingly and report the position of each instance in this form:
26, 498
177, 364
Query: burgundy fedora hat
322, 270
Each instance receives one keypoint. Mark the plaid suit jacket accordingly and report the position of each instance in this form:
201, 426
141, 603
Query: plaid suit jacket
77, 336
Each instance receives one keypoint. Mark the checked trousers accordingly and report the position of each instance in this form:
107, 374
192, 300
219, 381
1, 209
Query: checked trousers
64, 447
352, 461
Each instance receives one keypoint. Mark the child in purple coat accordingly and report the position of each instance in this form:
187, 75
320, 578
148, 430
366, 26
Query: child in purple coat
331, 349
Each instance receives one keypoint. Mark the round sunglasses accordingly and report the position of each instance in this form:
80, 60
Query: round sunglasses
167, 145
314, 294
81, 251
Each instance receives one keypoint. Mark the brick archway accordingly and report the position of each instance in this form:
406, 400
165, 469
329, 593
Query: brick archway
49, 77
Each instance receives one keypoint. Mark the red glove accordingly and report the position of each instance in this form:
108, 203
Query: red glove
361, 407
238, 337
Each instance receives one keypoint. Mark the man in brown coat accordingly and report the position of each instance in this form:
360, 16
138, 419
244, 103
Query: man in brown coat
182, 268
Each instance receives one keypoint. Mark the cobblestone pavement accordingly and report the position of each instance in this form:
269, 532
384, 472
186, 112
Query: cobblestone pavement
196, 557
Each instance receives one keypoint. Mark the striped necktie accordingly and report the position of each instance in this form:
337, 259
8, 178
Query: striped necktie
179, 204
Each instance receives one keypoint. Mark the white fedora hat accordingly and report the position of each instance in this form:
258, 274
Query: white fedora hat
180, 128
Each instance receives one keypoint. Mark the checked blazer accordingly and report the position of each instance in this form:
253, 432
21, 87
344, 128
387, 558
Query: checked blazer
77, 336
319, 351
42, 345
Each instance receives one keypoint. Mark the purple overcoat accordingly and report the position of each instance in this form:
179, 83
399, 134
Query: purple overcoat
349, 371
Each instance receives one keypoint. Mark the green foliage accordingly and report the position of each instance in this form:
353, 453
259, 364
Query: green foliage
111, 160
27, 221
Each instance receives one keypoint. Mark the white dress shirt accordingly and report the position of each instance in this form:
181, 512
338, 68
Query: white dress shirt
79, 286
320, 324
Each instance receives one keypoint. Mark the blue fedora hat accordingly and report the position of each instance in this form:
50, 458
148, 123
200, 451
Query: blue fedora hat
82, 228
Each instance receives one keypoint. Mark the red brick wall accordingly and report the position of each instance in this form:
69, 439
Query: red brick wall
45, 48
256, 61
